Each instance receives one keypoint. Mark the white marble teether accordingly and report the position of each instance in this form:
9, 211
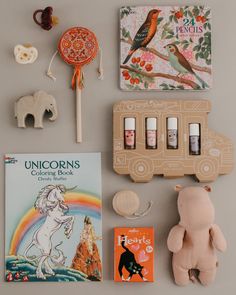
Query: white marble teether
25, 54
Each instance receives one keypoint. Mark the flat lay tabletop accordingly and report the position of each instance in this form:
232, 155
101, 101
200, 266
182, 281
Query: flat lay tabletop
114, 69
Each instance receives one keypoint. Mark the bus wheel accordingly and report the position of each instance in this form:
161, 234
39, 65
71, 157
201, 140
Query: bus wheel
141, 170
207, 170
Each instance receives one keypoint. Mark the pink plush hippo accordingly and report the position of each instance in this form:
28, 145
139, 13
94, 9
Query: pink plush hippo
194, 240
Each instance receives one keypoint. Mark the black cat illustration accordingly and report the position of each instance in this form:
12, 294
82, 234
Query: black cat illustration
127, 260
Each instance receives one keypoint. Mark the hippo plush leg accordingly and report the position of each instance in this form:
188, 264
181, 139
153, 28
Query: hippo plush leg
206, 277
181, 275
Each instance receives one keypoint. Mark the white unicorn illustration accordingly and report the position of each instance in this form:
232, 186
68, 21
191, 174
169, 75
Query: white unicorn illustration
50, 202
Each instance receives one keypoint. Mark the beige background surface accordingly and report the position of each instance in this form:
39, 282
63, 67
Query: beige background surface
98, 97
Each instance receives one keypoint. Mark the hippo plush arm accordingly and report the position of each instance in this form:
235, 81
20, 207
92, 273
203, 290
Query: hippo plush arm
218, 239
175, 238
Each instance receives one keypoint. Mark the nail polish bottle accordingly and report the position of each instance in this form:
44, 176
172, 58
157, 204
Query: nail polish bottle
151, 133
129, 133
194, 139
172, 133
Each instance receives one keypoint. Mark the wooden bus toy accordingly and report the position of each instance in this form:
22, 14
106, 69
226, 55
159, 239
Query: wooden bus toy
174, 152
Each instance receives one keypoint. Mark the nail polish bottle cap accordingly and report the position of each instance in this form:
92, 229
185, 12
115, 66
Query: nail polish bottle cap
151, 123
129, 123
194, 129
172, 123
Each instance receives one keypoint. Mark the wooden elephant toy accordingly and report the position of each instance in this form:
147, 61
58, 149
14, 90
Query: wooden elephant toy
35, 105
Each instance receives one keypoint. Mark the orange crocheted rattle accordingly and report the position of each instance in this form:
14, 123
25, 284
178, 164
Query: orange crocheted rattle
78, 46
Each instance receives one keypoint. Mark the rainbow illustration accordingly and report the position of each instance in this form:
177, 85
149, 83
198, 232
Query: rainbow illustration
78, 202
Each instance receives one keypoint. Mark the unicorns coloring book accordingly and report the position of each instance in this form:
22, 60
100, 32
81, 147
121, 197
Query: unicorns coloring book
53, 217
165, 48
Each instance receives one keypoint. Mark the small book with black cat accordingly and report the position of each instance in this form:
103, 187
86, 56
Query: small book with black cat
134, 254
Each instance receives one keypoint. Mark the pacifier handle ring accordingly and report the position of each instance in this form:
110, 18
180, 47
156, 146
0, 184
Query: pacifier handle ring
35, 16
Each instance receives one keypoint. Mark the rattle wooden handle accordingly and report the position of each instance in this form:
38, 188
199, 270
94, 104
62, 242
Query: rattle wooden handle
78, 114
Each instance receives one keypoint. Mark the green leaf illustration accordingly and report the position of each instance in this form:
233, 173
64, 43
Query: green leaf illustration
196, 11
125, 33
146, 85
125, 11
207, 13
171, 18
159, 20
190, 13
185, 46
176, 42
129, 86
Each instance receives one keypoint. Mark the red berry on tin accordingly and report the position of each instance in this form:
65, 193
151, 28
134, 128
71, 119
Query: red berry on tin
199, 18
17, 276
25, 279
132, 80
125, 73
148, 67
9, 277
142, 63
127, 77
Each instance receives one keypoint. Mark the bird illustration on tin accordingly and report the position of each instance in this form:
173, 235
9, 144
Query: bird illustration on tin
145, 33
180, 63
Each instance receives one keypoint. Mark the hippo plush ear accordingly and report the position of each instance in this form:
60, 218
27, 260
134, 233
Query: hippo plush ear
178, 188
207, 188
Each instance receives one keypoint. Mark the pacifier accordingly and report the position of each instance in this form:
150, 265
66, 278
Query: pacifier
25, 54
47, 19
